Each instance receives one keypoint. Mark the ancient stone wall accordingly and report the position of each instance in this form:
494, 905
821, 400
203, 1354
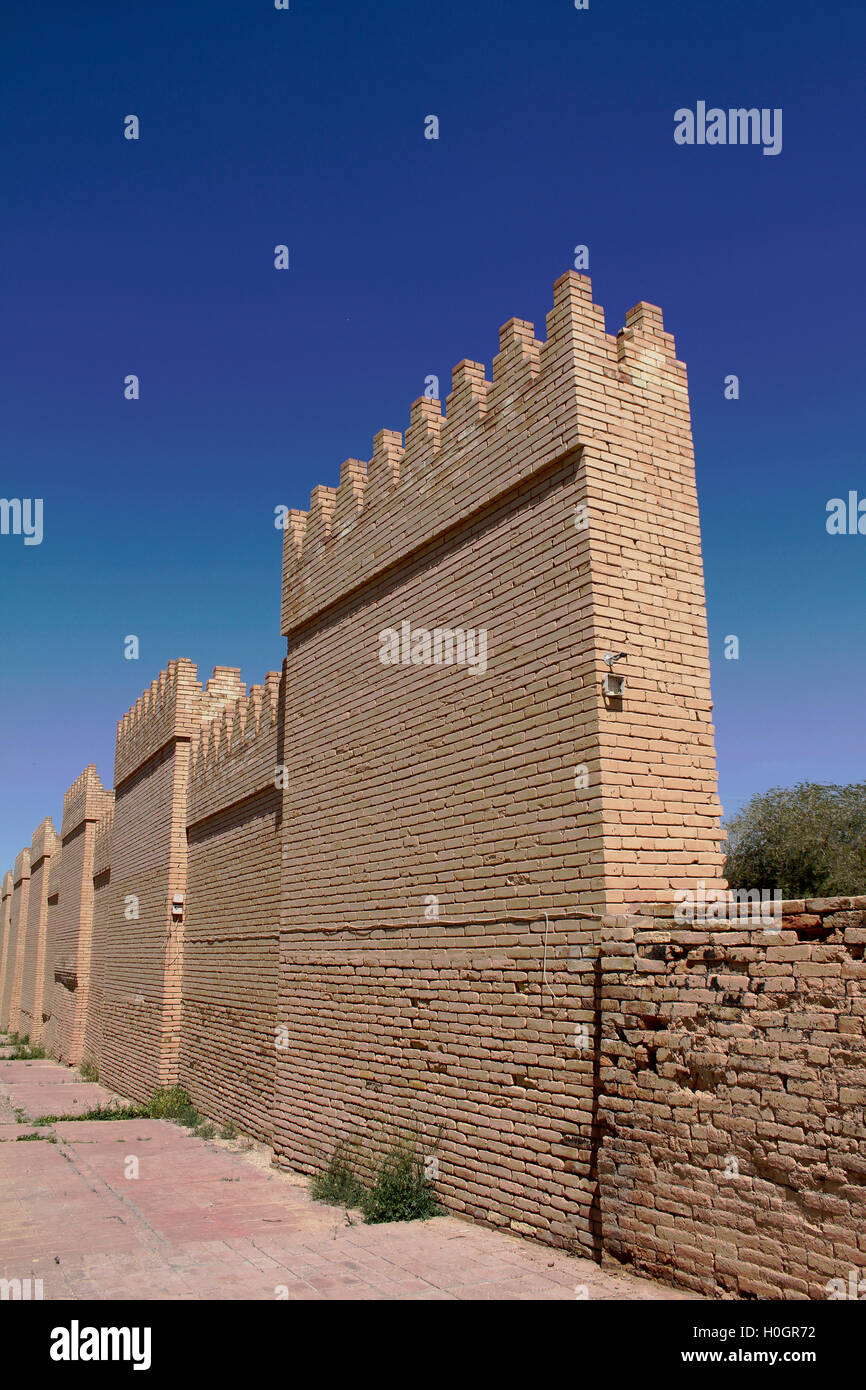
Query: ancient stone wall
7, 946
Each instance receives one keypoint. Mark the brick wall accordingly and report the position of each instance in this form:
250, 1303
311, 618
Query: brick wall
5, 927
473, 1036
145, 869
33, 942
91, 1048
141, 965
17, 927
733, 1083
553, 509
426, 923
69, 950
51, 1033
231, 917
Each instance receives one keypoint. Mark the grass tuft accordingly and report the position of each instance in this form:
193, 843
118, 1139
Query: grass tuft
338, 1185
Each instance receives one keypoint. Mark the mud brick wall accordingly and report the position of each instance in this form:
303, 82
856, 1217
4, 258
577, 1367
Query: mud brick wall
73, 908
70, 937
555, 507
470, 1035
91, 1047
5, 927
11, 1005
231, 913
362, 946
733, 1084
50, 1025
34, 943
141, 950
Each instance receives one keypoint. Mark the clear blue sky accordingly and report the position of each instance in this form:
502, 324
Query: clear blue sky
260, 127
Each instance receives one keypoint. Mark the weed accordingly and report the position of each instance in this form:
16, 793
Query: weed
166, 1103
22, 1052
173, 1103
99, 1112
399, 1191
338, 1184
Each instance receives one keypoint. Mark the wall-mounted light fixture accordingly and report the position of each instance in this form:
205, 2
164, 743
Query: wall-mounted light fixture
613, 685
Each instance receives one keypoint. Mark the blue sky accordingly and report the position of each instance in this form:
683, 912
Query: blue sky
306, 127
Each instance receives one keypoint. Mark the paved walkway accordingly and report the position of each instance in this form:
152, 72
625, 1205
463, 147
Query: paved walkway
207, 1219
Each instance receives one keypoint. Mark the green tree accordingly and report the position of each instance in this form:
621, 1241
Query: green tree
809, 841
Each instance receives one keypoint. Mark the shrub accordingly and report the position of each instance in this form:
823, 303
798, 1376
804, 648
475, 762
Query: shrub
400, 1190
173, 1103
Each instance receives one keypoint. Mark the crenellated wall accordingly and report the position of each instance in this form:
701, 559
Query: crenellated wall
231, 918
552, 514
70, 942
33, 941
406, 885
142, 958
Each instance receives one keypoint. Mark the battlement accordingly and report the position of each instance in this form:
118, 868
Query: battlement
545, 400
85, 800
234, 754
234, 726
171, 708
44, 842
225, 684
22, 866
